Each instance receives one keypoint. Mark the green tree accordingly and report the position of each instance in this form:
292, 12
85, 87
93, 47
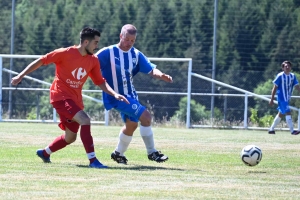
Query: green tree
198, 111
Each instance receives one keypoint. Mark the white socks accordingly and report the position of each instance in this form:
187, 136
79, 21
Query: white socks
147, 135
275, 123
91, 155
124, 141
48, 150
289, 122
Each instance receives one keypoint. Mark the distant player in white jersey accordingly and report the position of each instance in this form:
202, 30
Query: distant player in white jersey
119, 64
284, 83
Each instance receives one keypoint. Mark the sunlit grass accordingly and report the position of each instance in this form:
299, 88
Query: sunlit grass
203, 164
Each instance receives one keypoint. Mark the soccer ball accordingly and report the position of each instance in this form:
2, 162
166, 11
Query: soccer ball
251, 155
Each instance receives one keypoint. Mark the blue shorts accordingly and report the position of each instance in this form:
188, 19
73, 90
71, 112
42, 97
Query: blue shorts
283, 107
132, 111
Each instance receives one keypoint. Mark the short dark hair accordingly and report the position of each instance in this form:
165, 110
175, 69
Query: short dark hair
88, 34
286, 63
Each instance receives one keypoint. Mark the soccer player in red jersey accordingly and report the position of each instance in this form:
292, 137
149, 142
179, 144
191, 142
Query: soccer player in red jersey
73, 66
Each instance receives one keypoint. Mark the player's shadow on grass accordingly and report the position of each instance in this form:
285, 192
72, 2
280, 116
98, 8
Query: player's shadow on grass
144, 168
137, 167
257, 172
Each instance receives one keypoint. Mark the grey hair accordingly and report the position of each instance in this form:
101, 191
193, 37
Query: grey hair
128, 28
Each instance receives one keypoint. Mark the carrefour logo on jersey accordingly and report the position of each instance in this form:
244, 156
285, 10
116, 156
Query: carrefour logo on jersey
79, 73
74, 84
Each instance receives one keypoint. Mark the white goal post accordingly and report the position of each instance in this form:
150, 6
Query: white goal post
189, 84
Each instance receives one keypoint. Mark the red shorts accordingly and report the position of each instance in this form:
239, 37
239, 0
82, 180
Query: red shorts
66, 110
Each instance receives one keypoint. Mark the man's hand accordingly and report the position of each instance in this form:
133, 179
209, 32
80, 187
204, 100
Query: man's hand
167, 78
106, 88
271, 102
156, 73
16, 80
121, 98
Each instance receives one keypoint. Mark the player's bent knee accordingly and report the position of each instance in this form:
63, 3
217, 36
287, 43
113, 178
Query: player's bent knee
82, 118
70, 136
146, 122
70, 141
85, 122
129, 127
146, 118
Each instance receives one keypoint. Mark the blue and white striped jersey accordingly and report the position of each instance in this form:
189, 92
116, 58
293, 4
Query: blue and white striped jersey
118, 68
285, 84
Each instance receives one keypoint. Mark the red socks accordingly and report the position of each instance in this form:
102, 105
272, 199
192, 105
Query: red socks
87, 140
56, 145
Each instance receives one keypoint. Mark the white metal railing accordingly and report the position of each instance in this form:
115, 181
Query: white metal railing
246, 94
189, 60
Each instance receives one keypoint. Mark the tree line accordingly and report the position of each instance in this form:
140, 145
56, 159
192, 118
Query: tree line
253, 38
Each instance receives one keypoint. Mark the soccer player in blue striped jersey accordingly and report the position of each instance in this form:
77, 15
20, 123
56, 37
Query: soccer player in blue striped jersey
284, 84
119, 64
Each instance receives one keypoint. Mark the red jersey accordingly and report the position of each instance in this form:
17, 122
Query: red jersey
72, 71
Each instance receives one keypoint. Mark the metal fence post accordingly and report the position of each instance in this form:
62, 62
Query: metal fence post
298, 119
54, 115
106, 117
1, 63
189, 89
246, 112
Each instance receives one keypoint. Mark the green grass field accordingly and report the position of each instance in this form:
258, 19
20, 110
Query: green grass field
203, 164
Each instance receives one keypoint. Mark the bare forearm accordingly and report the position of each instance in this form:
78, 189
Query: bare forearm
156, 73
107, 89
31, 67
297, 88
273, 92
